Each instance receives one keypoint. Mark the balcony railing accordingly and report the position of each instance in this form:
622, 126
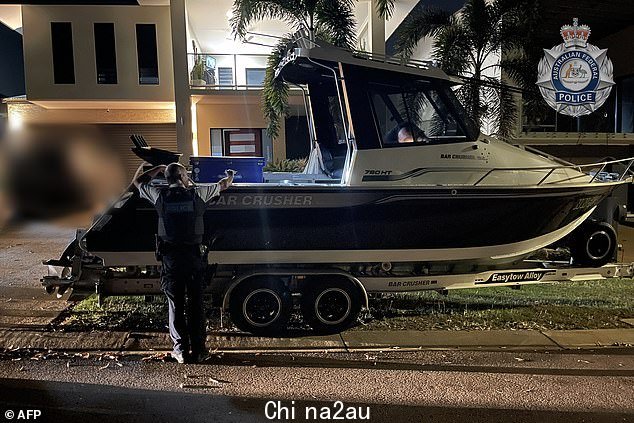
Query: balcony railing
226, 71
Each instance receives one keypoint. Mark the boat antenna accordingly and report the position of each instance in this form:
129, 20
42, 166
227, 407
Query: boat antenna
258, 44
260, 34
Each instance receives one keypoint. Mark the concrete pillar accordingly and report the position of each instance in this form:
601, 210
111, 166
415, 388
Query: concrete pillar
182, 98
376, 30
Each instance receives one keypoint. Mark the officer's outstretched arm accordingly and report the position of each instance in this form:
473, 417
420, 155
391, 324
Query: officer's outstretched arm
145, 177
225, 183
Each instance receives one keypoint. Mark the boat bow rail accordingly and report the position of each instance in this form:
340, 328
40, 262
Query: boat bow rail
598, 176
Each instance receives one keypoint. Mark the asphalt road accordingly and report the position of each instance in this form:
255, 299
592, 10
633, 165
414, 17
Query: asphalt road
23, 302
396, 386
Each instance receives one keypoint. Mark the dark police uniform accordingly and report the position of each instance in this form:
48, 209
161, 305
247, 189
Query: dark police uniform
181, 229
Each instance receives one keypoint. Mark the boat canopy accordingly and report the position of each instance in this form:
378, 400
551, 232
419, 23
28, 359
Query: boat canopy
375, 100
305, 53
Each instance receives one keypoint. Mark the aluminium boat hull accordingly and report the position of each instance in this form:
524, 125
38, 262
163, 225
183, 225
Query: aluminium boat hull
322, 224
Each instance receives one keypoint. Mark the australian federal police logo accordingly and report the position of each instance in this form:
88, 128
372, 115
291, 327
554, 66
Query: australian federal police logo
575, 77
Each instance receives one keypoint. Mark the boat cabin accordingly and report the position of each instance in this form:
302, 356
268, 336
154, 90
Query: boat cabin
357, 102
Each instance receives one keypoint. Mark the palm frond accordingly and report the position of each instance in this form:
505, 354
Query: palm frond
453, 49
422, 22
476, 16
247, 12
505, 110
336, 18
517, 22
275, 91
385, 8
470, 97
522, 70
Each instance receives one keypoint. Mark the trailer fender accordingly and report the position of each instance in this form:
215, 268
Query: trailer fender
241, 278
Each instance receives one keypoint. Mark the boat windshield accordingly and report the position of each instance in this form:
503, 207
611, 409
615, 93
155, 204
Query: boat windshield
417, 112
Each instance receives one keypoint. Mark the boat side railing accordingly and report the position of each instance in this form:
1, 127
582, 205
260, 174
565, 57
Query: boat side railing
550, 170
394, 60
305, 41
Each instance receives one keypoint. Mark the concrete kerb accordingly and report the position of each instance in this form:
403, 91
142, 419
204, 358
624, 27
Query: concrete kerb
224, 342
130, 342
447, 339
592, 338
13, 339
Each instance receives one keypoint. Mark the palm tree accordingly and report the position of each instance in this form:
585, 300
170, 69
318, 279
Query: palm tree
482, 39
329, 20
522, 70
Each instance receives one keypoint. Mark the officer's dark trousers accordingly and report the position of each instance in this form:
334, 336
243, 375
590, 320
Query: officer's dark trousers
181, 276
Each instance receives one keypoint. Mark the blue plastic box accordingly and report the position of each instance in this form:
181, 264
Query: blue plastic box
212, 169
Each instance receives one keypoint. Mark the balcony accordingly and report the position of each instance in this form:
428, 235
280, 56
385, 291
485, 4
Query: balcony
226, 71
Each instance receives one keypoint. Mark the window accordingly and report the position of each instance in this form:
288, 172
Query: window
225, 76
625, 104
241, 142
337, 119
255, 76
327, 115
63, 61
105, 53
147, 54
413, 113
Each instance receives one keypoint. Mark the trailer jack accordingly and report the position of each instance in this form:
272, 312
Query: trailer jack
53, 281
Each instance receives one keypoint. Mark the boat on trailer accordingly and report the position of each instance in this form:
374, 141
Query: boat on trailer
399, 183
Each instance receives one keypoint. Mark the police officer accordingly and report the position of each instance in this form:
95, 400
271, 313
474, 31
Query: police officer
181, 207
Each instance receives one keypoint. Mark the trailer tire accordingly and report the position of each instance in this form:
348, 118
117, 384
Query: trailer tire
330, 305
261, 305
593, 244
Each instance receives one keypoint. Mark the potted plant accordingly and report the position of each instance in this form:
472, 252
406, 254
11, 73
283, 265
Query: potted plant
197, 74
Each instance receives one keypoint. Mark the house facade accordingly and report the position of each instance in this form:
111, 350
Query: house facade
169, 70
172, 71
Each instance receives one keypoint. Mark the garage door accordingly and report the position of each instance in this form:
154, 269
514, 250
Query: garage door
157, 135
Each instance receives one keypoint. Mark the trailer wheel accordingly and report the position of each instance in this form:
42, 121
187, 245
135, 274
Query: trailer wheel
330, 305
261, 305
594, 244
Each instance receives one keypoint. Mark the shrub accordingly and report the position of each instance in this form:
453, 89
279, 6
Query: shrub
286, 165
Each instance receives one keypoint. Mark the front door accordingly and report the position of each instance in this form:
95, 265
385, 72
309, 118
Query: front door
243, 142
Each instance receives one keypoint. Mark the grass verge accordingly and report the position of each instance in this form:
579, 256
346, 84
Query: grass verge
571, 305
575, 305
117, 313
